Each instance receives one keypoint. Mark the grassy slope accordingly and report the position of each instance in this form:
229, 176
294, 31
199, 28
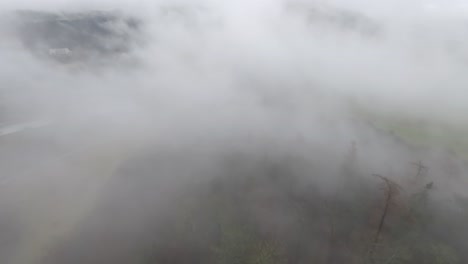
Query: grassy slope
422, 133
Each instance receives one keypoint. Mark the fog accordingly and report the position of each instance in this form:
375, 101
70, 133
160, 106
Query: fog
102, 136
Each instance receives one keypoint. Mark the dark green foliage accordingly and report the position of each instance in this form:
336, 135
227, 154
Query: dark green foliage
271, 218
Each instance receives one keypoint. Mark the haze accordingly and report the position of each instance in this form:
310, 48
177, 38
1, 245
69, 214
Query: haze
109, 123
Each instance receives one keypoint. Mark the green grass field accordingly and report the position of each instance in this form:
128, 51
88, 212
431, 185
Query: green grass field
422, 133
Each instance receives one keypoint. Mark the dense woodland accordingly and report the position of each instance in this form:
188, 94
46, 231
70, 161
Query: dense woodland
259, 210
268, 218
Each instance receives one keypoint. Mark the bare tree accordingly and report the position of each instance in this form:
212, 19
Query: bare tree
391, 190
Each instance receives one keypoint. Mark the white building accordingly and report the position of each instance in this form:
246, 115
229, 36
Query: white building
60, 52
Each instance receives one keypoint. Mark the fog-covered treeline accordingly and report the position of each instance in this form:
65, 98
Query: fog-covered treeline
222, 132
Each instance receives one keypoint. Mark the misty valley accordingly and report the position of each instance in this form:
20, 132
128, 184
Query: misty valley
233, 132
